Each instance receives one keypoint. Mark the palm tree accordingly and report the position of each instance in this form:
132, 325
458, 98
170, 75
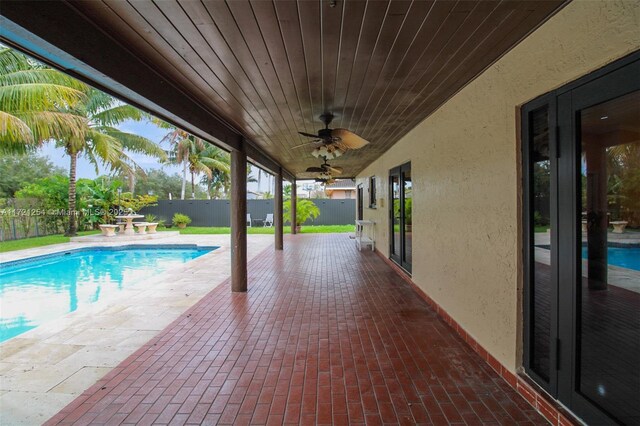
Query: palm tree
102, 142
174, 138
34, 103
38, 103
197, 157
202, 158
219, 181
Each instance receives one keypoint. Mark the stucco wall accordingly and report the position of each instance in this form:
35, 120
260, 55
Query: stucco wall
465, 170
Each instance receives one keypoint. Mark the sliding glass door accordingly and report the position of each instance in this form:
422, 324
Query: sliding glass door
400, 212
582, 244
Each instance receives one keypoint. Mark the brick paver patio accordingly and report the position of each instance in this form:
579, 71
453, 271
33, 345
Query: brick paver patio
326, 334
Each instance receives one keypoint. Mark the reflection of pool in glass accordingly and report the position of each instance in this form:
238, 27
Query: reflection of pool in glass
36, 290
624, 257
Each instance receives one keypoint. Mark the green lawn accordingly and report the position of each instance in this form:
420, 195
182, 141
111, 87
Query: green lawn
323, 229
26, 243
37, 241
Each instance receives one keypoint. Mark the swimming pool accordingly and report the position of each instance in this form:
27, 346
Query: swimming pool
625, 257
39, 289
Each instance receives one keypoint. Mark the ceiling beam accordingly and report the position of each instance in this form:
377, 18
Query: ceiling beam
56, 33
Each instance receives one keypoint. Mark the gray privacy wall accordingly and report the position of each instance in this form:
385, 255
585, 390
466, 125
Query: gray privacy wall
216, 212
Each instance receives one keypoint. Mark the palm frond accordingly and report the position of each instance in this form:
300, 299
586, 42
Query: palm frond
98, 101
215, 164
41, 76
118, 114
38, 97
47, 125
200, 167
12, 60
136, 143
15, 134
105, 147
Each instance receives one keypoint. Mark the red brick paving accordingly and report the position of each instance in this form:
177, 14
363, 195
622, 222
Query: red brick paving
325, 335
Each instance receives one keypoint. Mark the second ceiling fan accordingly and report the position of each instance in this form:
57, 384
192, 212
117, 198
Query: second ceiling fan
333, 142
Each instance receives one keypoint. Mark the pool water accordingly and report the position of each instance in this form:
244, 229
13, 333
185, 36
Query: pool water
40, 289
621, 256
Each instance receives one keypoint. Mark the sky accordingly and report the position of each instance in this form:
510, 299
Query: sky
87, 170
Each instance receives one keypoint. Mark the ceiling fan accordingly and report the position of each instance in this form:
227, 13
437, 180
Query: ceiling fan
334, 142
325, 168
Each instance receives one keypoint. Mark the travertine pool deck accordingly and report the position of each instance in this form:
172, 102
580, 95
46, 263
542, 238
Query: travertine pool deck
41, 371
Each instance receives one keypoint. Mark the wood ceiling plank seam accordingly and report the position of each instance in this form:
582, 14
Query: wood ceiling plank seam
376, 93
438, 15
453, 28
311, 53
339, 53
379, 39
220, 97
372, 24
161, 55
280, 16
145, 56
285, 101
215, 78
421, 32
331, 17
260, 107
513, 23
240, 34
469, 75
271, 50
340, 94
380, 110
491, 46
202, 104
322, 59
258, 155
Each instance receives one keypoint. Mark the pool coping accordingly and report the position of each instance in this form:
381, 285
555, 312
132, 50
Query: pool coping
44, 369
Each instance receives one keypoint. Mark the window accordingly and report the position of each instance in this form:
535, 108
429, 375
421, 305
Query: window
372, 192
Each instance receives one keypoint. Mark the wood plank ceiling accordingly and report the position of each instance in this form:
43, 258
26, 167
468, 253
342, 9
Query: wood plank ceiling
272, 68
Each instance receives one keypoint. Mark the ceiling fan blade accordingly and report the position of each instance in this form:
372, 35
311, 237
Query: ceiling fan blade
315, 170
349, 139
335, 170
309, 135
305, 144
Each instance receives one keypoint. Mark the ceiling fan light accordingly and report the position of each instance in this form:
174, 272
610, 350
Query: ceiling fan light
315, 152
322, 151
338, 152
328, 156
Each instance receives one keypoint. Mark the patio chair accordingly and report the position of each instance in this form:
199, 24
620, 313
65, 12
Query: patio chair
249, 220
269, 220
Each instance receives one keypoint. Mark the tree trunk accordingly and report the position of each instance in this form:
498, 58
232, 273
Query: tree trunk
72, 230
184, 180
193, 187
132, 184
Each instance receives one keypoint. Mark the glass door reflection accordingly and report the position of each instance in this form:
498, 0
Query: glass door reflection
608, 295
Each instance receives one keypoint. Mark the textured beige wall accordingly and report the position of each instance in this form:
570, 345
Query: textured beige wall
465, 170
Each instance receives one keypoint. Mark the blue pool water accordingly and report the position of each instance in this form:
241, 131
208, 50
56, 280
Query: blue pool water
625, 257
40, 289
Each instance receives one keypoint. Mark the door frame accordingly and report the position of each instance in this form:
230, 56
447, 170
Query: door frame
610, 82
528, 254
360, 202
401, 259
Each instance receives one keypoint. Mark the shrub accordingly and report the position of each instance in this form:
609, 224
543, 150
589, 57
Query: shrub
181, 219
305, 209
